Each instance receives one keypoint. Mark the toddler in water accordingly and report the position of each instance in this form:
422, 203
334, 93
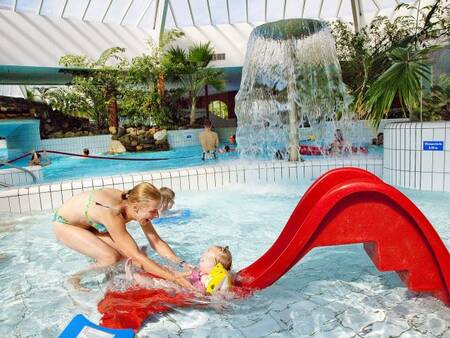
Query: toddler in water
212, 274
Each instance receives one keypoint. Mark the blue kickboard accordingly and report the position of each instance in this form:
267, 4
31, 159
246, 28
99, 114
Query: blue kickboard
176, 217
81, 327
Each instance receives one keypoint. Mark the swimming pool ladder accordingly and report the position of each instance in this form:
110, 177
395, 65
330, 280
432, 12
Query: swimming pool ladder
33, 176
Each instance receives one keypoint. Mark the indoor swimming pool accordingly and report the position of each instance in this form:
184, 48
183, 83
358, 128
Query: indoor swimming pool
332, 292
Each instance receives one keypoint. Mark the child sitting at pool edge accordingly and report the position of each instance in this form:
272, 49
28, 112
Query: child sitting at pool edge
212, 274
167, 200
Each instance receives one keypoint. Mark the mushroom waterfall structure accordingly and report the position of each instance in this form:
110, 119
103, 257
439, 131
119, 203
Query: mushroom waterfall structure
291, 77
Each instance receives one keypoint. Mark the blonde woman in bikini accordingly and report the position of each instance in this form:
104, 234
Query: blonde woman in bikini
94, 224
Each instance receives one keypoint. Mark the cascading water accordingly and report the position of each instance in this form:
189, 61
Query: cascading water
291, 79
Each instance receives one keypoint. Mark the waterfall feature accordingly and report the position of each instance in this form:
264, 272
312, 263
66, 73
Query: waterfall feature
291, 79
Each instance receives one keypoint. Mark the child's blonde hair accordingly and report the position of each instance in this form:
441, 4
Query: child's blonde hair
168, 195
142, 192
223, 256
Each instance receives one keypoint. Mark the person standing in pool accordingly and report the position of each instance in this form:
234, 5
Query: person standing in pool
209, 140
94, 224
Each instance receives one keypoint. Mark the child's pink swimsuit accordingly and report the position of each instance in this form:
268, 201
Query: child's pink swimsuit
195, 278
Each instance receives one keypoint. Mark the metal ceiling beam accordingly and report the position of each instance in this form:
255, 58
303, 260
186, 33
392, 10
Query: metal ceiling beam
228, 13
377, 4
14, 5
246, 10
320, 8
173, 14
107, 10
161, 16
64, 9
303, 8
85, 10
209, 13
126, 11
190, 11
143, 13
339, 8
356, 12
284, 10
40, 7
265, 10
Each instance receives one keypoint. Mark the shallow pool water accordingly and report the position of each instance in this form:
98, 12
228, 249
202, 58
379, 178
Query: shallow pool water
332, 292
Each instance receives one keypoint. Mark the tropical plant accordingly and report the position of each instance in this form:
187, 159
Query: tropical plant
364, 55
193, 73
403, 79
98, 84
436, 102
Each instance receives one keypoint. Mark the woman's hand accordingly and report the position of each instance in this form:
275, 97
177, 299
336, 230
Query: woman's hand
181, 281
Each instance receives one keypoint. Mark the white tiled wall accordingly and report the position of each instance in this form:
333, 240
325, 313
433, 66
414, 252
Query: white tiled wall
408, 165
96, 144
50, 196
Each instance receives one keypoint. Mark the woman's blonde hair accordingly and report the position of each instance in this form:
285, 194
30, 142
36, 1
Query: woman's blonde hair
223, 256
142, 192
168, 195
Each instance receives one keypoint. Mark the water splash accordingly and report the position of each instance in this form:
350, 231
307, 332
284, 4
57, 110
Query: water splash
291, 78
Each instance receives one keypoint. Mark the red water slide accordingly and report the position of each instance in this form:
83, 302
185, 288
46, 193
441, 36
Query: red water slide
350, 205
344, 206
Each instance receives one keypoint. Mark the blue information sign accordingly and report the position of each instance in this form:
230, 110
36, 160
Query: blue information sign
433, 145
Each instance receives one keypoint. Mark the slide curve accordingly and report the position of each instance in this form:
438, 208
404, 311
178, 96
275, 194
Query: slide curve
348, 206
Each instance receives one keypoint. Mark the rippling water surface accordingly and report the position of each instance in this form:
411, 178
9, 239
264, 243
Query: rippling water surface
333, 292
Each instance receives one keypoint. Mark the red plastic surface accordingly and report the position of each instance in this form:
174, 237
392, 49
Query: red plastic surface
343, 206
350, 205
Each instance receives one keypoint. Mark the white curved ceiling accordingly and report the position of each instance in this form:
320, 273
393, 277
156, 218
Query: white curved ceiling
185, 13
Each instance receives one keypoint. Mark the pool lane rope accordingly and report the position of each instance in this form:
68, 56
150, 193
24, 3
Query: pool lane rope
96, 157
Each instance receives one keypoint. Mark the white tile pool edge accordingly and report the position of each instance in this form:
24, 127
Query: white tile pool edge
50, 196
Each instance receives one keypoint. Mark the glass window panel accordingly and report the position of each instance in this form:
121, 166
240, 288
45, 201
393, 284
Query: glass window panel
329, 9
170, 23
387, 3
275, 10
312, 9
256, 10
237, 11
52, 7
116, 11
75, 8
200, 9
294, 9
219, 11
368, 6
28, 5
6, 4
181, 12
148, 17
135, 12
96, 10
346, 10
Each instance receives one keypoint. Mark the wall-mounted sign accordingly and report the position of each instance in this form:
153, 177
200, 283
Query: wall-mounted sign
433, 145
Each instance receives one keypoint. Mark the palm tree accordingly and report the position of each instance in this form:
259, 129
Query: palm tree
190, 68
403, 78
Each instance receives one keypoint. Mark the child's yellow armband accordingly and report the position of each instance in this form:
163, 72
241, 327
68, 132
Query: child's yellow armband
219, 279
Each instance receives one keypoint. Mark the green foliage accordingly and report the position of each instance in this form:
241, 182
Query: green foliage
95, 87
403, 78
218, 108
436, 102
193, 73
364, 55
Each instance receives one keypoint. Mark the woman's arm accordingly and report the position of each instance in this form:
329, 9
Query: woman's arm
127, 245
158, 244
